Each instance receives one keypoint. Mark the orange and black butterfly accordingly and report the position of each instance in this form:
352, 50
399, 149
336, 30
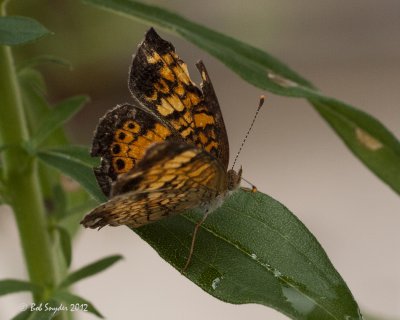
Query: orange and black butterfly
168, 151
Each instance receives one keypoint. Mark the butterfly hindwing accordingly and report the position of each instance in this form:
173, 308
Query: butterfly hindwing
159, 79
121, 139
171, 178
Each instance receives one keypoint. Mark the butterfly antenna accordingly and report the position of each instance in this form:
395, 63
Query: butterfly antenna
260, 104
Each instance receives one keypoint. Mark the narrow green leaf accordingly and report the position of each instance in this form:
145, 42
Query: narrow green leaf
43, 311
90, 270
86, 306
367, 138
23, 315
76, 152
65, 241
254, 250
4, 147
258, 68
60, 114
16, 30
75, 162
42, 59
51, 312
70, 220
60, 202
8, 286
253, 64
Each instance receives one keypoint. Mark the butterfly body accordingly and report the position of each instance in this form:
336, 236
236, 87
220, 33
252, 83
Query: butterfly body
166, 153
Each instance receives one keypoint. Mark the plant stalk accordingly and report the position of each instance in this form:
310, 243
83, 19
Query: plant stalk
22, 187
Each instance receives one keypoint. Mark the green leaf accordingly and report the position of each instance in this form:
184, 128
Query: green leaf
16, 30
8, 286
65, 241
23, 315
36, 108
45, 58
59, 202
63, 296
70, 220
33, 88
79, 203
254, 250
60, 114
75, 162
44, 314
252, 64
89, 270
258, 68
366, 138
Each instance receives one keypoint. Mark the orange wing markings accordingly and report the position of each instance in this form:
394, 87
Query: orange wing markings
177, 102
161, 81
172, 177
121, 140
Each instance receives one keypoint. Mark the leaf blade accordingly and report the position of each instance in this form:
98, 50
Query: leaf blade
90, 270
60, 114
254, 250
63, 296
16, 30
8, 286
366, 137
66, 246
249, 62
75, 162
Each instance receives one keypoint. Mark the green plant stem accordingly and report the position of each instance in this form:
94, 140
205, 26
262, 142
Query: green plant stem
23, 191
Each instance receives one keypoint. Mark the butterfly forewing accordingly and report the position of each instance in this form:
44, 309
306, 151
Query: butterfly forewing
159, 79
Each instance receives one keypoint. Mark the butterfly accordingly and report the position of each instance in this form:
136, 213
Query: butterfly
168, 151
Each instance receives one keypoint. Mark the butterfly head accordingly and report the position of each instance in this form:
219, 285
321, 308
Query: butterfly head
234, 179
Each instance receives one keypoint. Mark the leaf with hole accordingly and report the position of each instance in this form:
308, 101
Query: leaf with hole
366, 138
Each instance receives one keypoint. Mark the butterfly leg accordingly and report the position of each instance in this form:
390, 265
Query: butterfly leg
196, 229
252, 190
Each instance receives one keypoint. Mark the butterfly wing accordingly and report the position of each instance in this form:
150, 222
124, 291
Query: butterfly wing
121, 139
159, 79
171, 178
